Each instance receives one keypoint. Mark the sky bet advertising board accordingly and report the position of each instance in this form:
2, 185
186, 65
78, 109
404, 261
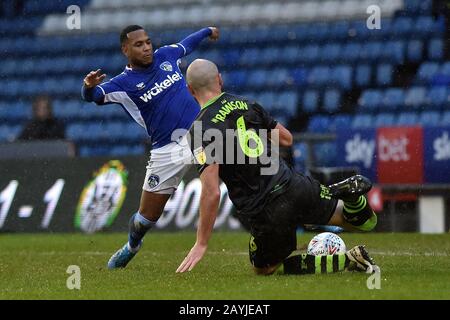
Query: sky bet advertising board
412, 155
437, 154
357, 148
91, 195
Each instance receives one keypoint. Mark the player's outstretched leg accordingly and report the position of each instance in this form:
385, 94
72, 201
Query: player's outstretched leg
357, 210
150, 209
138, 227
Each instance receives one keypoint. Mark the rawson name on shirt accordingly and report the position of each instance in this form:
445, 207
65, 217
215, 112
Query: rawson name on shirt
159, 87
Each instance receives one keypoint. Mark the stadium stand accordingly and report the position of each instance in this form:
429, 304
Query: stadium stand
298, 58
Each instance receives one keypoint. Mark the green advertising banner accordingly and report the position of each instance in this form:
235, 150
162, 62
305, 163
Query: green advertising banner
91, 195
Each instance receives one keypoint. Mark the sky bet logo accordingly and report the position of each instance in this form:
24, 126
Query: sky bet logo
442, 147
358, 149
160, 87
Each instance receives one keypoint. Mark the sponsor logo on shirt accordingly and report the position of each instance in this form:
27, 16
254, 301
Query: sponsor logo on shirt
161, 86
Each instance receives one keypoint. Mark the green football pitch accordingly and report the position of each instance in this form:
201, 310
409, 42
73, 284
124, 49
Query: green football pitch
413, 266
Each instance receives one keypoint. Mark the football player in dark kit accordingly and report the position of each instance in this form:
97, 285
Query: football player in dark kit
271, 199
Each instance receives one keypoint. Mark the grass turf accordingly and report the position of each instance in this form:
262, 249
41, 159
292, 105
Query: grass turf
413, 266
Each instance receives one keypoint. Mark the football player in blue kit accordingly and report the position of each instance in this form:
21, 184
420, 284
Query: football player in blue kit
152, 90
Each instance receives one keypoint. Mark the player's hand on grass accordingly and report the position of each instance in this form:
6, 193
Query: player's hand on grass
215, 33
94, 78
194, 256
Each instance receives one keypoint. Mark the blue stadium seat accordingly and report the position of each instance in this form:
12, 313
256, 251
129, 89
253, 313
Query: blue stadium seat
299, 76
371, 100
231, 57
371, 51
407, 119
318, 31
331, 100
310, 101
257, 78
300, 32
9, 133
261, 33
418, 6
342, 76
277, 78
300, 154
362, 75
445, 119
137, 150
415, 50
360, 29
426, 71
115, 130
362, 121
351, 51
16, 112
291, 54
287, 102
319, 124
446, 68
430, 118
330, 53
269, 55
75, 131
436, 49
73, 109
238, 78
424, 26
33, 87
403, 26
393, 99
341, 122
384, 74
442, 76
267, 100
319, 76
386, 28
120, 150
415, 97
96, 131
309, 53
338, 30
134, 132
394, 51
384, 120
438, 96
325, 153
276, 33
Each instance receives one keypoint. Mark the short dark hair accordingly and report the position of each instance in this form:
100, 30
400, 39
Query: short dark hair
127, 30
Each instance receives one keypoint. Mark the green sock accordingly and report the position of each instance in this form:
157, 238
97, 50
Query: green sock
309, 264
359, 214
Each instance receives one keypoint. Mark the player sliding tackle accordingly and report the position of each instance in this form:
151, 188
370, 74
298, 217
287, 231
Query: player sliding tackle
153, 92
272, 204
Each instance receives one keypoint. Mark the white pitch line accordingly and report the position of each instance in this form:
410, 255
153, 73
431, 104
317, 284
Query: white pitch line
408, 253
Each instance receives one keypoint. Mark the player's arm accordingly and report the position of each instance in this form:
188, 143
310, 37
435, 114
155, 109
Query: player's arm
90, 91
191, 42
284, 136
209, 204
